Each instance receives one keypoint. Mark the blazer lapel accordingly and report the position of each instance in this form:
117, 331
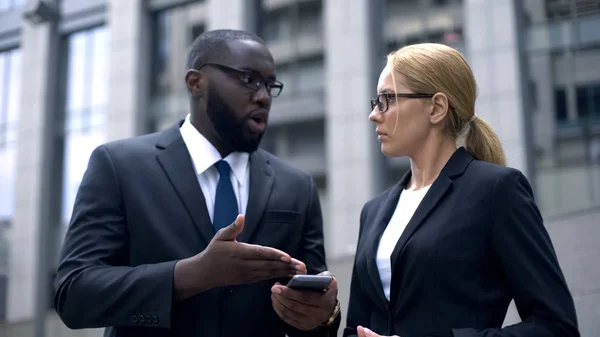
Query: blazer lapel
455, 166
384, 214
261, 183
175, 160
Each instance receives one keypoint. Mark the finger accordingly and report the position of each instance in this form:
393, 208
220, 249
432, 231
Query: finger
258, 270
257, 252
299, 266
287, 316
333, 284
293, 309
326, 273
309, 298
231, 232
360, 331
369, 333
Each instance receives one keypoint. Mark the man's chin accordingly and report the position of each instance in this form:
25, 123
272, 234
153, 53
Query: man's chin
248, 145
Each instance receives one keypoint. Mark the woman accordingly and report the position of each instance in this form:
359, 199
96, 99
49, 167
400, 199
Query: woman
443, 252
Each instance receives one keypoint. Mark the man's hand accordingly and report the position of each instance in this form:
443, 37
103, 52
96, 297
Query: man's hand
364, 332
228, 262
304, 310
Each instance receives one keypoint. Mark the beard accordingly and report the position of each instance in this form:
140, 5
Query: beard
232, 130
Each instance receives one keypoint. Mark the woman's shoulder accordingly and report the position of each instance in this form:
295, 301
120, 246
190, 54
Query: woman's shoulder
486, 172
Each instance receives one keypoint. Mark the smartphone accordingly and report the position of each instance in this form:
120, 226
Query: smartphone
310, 282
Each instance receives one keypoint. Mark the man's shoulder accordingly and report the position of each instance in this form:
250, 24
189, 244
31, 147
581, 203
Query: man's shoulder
133, 146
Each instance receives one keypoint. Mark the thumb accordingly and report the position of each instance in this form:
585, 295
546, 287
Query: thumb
369, 333
231, 232
360, 331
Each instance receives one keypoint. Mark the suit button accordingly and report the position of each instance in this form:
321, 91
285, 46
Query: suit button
134, 318
141, 319
148, 319
154, 319
231, 290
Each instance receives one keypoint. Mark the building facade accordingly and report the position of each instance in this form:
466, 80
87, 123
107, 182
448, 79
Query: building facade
77, 73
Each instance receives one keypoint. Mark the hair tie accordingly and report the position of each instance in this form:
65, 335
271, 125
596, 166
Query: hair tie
472, 118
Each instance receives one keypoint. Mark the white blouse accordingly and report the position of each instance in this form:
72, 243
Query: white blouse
407, 205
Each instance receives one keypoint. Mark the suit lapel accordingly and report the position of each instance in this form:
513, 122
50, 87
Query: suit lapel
261, 182
175, 160
384, 214
441, 186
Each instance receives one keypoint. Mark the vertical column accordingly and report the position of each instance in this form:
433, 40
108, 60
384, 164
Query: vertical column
494, 50
36, 157
234, 14
352, 53
129, 65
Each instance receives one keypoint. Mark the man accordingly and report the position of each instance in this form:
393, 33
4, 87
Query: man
156, 246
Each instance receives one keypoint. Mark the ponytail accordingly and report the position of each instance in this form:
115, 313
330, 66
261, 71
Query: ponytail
483, 142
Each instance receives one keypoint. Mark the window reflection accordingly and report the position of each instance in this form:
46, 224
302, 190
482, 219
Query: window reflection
564, 62
10, 87
175, 29
85, 114
10, 4
10, 99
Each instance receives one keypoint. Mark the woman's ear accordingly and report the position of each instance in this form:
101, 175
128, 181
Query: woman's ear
195, 82
439, 108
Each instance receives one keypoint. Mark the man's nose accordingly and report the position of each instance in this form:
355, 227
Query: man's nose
262, 96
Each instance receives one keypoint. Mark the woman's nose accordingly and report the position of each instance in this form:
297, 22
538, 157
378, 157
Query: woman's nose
375, 115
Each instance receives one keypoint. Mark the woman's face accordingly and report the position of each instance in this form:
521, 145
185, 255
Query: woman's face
405, 125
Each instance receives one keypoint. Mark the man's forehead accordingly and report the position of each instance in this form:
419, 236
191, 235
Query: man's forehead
249, 52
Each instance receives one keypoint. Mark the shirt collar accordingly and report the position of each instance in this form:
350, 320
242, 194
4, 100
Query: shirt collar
205, 155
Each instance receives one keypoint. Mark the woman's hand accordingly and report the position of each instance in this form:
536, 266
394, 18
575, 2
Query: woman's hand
364, 332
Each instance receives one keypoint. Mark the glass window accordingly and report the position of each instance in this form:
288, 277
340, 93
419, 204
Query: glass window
10, 99
10, 4
175, 29
85, 107
564, 55
10, 86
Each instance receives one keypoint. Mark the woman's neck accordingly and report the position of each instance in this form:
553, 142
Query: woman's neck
428, 162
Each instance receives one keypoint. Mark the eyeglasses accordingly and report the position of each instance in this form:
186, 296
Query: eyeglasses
249, 78
382, 102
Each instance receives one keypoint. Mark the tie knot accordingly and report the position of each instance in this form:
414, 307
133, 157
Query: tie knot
223, 168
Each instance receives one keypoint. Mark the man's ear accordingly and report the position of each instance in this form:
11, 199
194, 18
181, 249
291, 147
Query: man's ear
439, 108
195, 82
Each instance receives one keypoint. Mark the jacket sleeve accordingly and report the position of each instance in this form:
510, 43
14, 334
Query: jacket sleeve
359, 307
95, 287
527, 258
312, 252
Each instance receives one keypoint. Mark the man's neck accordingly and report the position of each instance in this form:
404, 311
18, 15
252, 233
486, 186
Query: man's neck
211, 135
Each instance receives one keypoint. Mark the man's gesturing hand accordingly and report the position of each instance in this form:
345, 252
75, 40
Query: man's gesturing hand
228, 262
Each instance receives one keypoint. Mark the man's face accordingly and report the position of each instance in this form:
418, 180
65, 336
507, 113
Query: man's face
237, 106
232, 129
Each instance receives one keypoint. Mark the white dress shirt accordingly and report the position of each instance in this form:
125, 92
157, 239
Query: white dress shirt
204, 155
406, 207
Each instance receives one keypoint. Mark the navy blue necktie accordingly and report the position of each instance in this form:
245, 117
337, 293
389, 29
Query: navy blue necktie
226, 205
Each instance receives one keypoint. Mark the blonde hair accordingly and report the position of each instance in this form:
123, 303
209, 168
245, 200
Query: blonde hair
429, 68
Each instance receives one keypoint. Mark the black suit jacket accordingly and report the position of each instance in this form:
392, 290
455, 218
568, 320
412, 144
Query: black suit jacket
475, 242
139, 209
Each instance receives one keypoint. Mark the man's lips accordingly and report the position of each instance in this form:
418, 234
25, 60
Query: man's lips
257, 121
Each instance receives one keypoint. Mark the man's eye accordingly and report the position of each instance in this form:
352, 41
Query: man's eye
246, 79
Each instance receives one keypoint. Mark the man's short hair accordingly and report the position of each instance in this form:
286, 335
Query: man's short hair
214, 44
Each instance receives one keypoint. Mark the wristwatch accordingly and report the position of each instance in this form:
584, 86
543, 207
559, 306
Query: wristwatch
334, 315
